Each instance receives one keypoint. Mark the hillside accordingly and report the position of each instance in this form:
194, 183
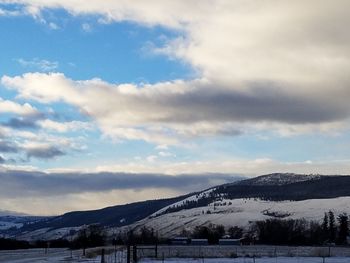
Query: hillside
273, 187
242, 212
110, 216
238, 203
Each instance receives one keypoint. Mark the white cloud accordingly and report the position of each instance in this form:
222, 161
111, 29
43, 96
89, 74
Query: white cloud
63, 127
41, 64
166, 154
249, 167
162, 147
7, 106
86, 27
280, 65
4, 12
292, 42
166, 113
53, 26
151, 158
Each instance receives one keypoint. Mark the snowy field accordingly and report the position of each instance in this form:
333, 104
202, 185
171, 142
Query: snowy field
239, 212
39, 256
251, 260
64, 255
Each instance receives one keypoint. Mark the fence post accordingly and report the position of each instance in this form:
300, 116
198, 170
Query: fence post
115, 253
103, 255
134, 254
128, 254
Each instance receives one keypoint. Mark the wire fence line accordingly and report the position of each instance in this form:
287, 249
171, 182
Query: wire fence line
184, 254
252, 260
256, 251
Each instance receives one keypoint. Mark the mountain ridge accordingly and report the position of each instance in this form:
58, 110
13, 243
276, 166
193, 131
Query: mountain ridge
276, 187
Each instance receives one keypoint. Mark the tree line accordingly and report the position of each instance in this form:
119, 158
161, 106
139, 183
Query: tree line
333, 230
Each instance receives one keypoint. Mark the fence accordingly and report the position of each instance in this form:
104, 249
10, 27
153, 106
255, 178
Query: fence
173, 254
163, 252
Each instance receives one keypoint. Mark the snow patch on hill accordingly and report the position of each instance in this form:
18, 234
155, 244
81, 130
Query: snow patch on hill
242, 212
4, 225
49, 234
194, 197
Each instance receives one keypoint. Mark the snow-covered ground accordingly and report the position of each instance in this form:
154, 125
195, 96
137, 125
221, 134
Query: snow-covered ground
39, 256
48, 234
64, 255
251, 260
195, 197
6, 225
240, 212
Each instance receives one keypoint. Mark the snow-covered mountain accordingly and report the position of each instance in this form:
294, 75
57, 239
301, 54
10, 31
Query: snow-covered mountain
269, 196
11, 223
280, 179
236, 204
241, 213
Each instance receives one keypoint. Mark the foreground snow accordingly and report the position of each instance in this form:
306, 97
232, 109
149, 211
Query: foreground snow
39, 256
251, 260
64, 255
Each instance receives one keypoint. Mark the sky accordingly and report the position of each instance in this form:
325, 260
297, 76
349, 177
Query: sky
106, 102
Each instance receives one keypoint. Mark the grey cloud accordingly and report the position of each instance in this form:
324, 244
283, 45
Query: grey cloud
265, 104
21, 123
197, 107
44, 152
220, 104
24, 183
8, 147
40, 152
25, 150
4, 160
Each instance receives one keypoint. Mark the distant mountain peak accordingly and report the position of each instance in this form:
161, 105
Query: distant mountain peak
11, 213
280, 179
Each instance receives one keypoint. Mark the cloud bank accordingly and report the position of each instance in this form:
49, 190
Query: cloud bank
259, 64
17, 184
165, 112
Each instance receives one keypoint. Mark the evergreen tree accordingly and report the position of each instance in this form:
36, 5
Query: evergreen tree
325, 231
90, 236
343, 228
331, 226
235, 232
316, 234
